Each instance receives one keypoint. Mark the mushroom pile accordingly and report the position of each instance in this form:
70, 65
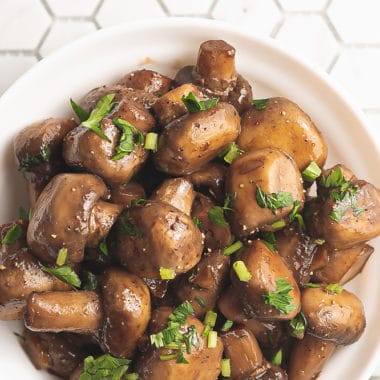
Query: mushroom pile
180, 228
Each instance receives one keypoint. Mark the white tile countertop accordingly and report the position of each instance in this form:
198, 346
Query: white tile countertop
342, 37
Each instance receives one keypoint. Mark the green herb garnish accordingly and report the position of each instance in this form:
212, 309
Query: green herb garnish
231, 153
79, 111
151, 141
216, 213
280, 298
268, 238
22, 214
28, 162
312, 285
233, 248
226, 368
197, 222
127, 227
295, 215
167, 273
89, 280
260, 104
334, 288
101, 110
105, 367
241, 271
12, 235
277, 358
65, 274
298, 326
311, 172
227, 325
200, 301
193, 104
103, 248
62, 256
273, 201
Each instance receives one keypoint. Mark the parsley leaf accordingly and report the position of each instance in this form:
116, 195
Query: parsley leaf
105, 367
102, 108
273, 201
126, 143
260, 104
298, 326
127, 227
65, 274
295, 215
268, 239
197, 222
89, 280
231, 153
192, 104
12, 235
280, 299
277, 358
79, 111
28, 162
103, 248
216, 216
334, 179
22, 214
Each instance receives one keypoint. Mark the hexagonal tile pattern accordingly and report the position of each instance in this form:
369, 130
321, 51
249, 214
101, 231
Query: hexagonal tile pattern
346, 15
63, 32
303, 5
117, 11
22, 24
317, 44
192, 7
11, 67
259, 16
358, 72
72, 7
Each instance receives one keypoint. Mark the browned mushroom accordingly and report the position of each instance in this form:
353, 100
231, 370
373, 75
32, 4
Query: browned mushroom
202, 286
148, 81
125, 193
269, 171
158, 236
308, 357
70, 213
188, 143
284, 125
339, 266
203, 363
38, 152
268, 272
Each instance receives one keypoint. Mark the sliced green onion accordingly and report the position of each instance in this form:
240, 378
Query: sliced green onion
168, 357
312, 172
151, 140
131, 376
279, 224
233, 248
167, 273
210, 318
277, 358
200, 301
226, 368
212, 339
227, 325
231, 153
206, 331
241, 271
62, 256
334, 288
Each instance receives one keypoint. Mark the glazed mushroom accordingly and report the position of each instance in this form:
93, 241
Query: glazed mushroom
333, 314
38, 150
284, 125
170, 106
267, 274
148, 81
215, 73
242, 348
85, 149
188, 143
339, 266
215, 237
20, 274
125, 193
203, 285
203, 363
117, 319
71, 213
308, 357
269, 171
156, 236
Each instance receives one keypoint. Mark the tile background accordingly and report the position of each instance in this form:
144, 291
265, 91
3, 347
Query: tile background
340, 36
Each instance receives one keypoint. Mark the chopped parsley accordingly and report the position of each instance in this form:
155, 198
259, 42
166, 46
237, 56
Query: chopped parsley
79, 111
277, 358
28, 162
260, 104
216, 213
101, 110
105, 367
280, 298
298, 326
130, 136
227, 325
268, 238
295, 215
103, 248
231, 153
23, 215
273, 201
12, 235
334, 288
65, 274
127, 227
89, 280
197, 222
193, 104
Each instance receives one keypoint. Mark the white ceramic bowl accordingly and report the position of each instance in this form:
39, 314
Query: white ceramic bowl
104, 56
